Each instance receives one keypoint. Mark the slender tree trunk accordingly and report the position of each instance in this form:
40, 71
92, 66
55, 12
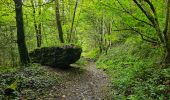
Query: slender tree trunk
108, 40
37, 27
72, 24
167, 32
39, 24
69, 7
63, 12
12, 52
110, 31
101, 34
23, 52
35, 22
58, 21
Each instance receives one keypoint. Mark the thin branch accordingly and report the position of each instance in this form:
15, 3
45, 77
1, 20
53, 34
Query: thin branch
133, 15
149, 39
122, 29
152, 7
148, 15
154, 12
144, 37
153, 20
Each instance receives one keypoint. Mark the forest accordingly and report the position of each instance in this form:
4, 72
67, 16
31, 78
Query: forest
84, 49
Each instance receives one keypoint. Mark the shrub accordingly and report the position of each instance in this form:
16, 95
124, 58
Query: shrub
134, 68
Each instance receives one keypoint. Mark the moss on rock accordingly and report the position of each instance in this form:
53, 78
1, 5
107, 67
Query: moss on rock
56, 56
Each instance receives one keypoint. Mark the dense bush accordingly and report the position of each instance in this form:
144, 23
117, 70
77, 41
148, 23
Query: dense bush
135, 70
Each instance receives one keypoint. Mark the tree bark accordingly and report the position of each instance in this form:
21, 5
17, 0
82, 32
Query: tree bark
63, 12
23, 52
37, 26
101, 45
167, 32
72, 24
58, 21
12, 48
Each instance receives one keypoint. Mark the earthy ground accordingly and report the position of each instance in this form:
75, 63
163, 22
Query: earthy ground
87, 83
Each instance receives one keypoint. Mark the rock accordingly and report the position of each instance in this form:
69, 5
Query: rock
56, 56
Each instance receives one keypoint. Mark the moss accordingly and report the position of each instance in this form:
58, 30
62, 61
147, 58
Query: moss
56, 56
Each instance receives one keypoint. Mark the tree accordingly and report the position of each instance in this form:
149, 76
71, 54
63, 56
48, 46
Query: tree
163, 34
151, 18
37, 25
23, 52
167, 32
58, 21
72, 24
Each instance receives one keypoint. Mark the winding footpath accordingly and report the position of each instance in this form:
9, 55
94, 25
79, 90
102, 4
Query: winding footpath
88, 83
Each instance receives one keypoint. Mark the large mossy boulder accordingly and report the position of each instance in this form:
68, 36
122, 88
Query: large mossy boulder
56, 56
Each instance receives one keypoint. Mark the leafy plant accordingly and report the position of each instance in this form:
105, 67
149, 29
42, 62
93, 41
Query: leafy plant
135, 71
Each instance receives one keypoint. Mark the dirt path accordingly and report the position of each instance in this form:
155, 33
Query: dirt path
86, 83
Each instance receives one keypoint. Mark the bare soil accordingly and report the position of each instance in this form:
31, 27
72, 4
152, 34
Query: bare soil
77, 83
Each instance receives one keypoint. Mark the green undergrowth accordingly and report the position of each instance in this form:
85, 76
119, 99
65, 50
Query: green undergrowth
81, 62
92, 54
28, 83
135, 71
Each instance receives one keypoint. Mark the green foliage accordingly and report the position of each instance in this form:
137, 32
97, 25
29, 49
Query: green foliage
6, 69
135, 71
92, 54
29, 83
133, 64
82, 62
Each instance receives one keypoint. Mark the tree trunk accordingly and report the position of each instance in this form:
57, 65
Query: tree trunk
12, 48
39, 24
72, 24
58, 21
37, 27
101, 35
23, 52
63, 12
167, 32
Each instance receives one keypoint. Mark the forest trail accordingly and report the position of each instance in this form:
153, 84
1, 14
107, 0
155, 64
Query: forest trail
87, 83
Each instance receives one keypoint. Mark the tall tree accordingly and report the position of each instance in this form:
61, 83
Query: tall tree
167, 31
37, 25
58, 21
72, 24
23, 52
